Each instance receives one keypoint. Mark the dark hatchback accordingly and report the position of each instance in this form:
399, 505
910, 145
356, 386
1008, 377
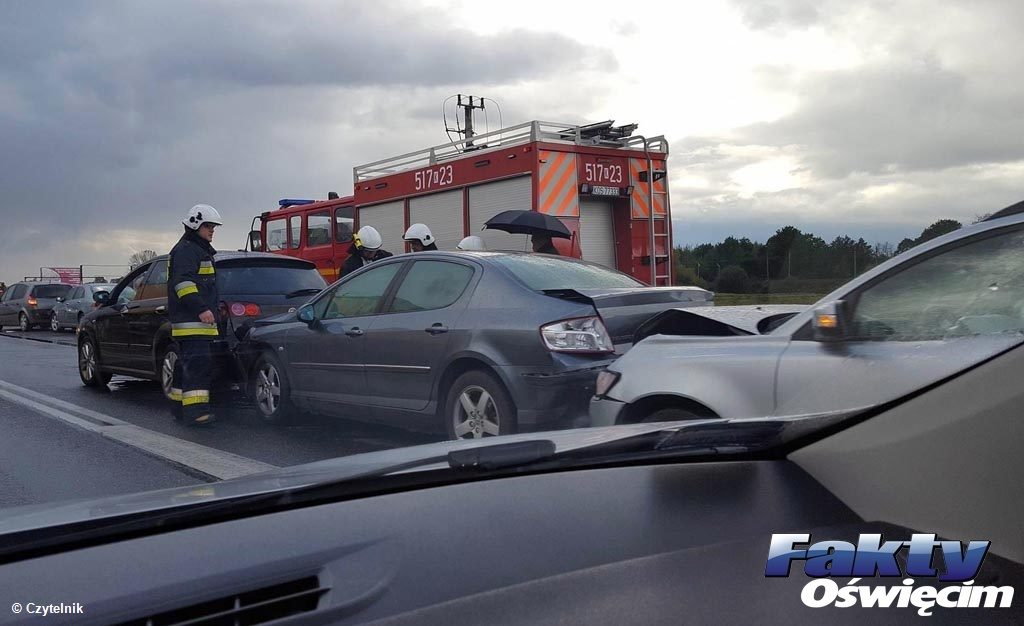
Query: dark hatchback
28, 305
473, 344
130, 333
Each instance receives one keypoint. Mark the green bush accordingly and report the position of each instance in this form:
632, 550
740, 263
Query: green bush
732, 279
686, 276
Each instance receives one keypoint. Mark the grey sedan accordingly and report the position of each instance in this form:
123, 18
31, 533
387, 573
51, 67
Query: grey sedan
69, 311
913, 321
473, 343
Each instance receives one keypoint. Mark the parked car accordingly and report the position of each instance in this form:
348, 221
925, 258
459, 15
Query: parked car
910, 322
28, 305
130, 334
472, 343
69, 310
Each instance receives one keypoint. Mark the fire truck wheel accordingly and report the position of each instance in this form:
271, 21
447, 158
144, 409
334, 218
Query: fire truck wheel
478, 406
270, 391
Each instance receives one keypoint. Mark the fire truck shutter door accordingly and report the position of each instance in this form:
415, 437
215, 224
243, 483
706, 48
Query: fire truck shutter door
389, 220
487, 200
597, 234
442, 213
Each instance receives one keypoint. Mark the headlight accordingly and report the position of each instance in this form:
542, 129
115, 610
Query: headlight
605, 381
585, 334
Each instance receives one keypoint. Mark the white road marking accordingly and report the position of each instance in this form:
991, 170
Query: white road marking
210, 461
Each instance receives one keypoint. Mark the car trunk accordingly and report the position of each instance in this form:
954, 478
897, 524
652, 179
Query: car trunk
253, 289
46, 296
624, 309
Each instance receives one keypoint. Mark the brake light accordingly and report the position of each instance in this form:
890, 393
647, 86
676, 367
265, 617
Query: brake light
244, 309
584, 334
32, 301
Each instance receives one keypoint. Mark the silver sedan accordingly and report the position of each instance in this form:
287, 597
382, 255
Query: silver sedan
913, 321
69, 311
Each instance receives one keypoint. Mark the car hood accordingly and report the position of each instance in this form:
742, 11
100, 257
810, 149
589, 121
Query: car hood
719, 321
42, 516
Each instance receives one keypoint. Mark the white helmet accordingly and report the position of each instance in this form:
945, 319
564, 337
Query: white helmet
201, 214
419, 232
472, 243
368, 238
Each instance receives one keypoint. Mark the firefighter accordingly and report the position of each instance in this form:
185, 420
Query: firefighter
192, 308
420, 238
365, 248
471, 243
542, 244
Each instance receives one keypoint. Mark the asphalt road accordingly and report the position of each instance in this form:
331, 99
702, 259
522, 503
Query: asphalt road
39, 380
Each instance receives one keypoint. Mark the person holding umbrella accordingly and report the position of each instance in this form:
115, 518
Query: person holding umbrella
540, 226
542, 244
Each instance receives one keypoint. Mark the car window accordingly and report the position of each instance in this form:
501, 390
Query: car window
344, 220
540, 273
360, 295
51, 291
277, 234
18, 292
318, 229
129, 289
267, 277
295, 231
973, 289
156, 282
431, 285
76, 294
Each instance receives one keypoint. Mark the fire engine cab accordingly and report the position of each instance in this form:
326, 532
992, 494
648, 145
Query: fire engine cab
607, 185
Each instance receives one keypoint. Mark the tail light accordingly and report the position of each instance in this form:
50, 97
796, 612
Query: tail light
243, 309
584, 334
32, 301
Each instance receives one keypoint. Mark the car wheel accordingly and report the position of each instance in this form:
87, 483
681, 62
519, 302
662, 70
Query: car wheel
23, 323
168, 360
54, 323
89, 365
675, 415
478, 406
270, 390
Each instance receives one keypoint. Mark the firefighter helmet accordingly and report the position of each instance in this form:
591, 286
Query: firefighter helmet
419, 232
472, 243
368, 238
201, 214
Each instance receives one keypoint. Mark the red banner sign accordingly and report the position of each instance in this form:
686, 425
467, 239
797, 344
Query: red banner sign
70, 275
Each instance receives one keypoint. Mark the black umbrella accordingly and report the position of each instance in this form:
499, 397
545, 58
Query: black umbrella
528, 223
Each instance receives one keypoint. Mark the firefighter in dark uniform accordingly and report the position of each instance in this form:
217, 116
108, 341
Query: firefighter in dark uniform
192, 308
365, 248
420, 238
542, 244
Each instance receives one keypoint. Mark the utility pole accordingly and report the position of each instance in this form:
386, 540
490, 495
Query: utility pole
789, 273
467, 107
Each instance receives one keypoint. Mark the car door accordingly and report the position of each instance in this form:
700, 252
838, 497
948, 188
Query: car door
145, 313
112, 322
8, 316
326, 358
14, 304
408, 342
66, 311
911, 327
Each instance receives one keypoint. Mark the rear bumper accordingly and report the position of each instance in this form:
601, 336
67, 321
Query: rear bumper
605, 411
39, 316
552, 400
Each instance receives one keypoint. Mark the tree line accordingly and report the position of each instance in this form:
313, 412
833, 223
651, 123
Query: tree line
790, 255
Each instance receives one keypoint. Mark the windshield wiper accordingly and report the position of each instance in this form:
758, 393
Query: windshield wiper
309, 291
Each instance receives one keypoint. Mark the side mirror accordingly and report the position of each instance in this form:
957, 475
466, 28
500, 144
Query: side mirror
101, 297
254, 241
830, 322
306, 314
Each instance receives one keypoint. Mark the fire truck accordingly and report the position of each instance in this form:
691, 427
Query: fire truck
605, 183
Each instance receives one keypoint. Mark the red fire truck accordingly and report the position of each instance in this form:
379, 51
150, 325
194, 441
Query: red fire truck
607, 185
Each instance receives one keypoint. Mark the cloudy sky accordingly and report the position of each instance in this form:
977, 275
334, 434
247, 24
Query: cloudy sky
869, 118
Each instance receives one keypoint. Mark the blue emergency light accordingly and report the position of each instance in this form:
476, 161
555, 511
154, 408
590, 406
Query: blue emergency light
293, 202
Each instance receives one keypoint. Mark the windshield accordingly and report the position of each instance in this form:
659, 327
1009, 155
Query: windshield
482, 221
267, 279
540, 273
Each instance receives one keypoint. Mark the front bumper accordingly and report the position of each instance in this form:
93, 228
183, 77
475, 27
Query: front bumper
552, 400
605, 411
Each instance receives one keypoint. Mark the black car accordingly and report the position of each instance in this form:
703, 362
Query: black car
28, 305
473, 344
130, 333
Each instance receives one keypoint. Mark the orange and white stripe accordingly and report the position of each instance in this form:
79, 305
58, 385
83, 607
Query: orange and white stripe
558, 188
640, 199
